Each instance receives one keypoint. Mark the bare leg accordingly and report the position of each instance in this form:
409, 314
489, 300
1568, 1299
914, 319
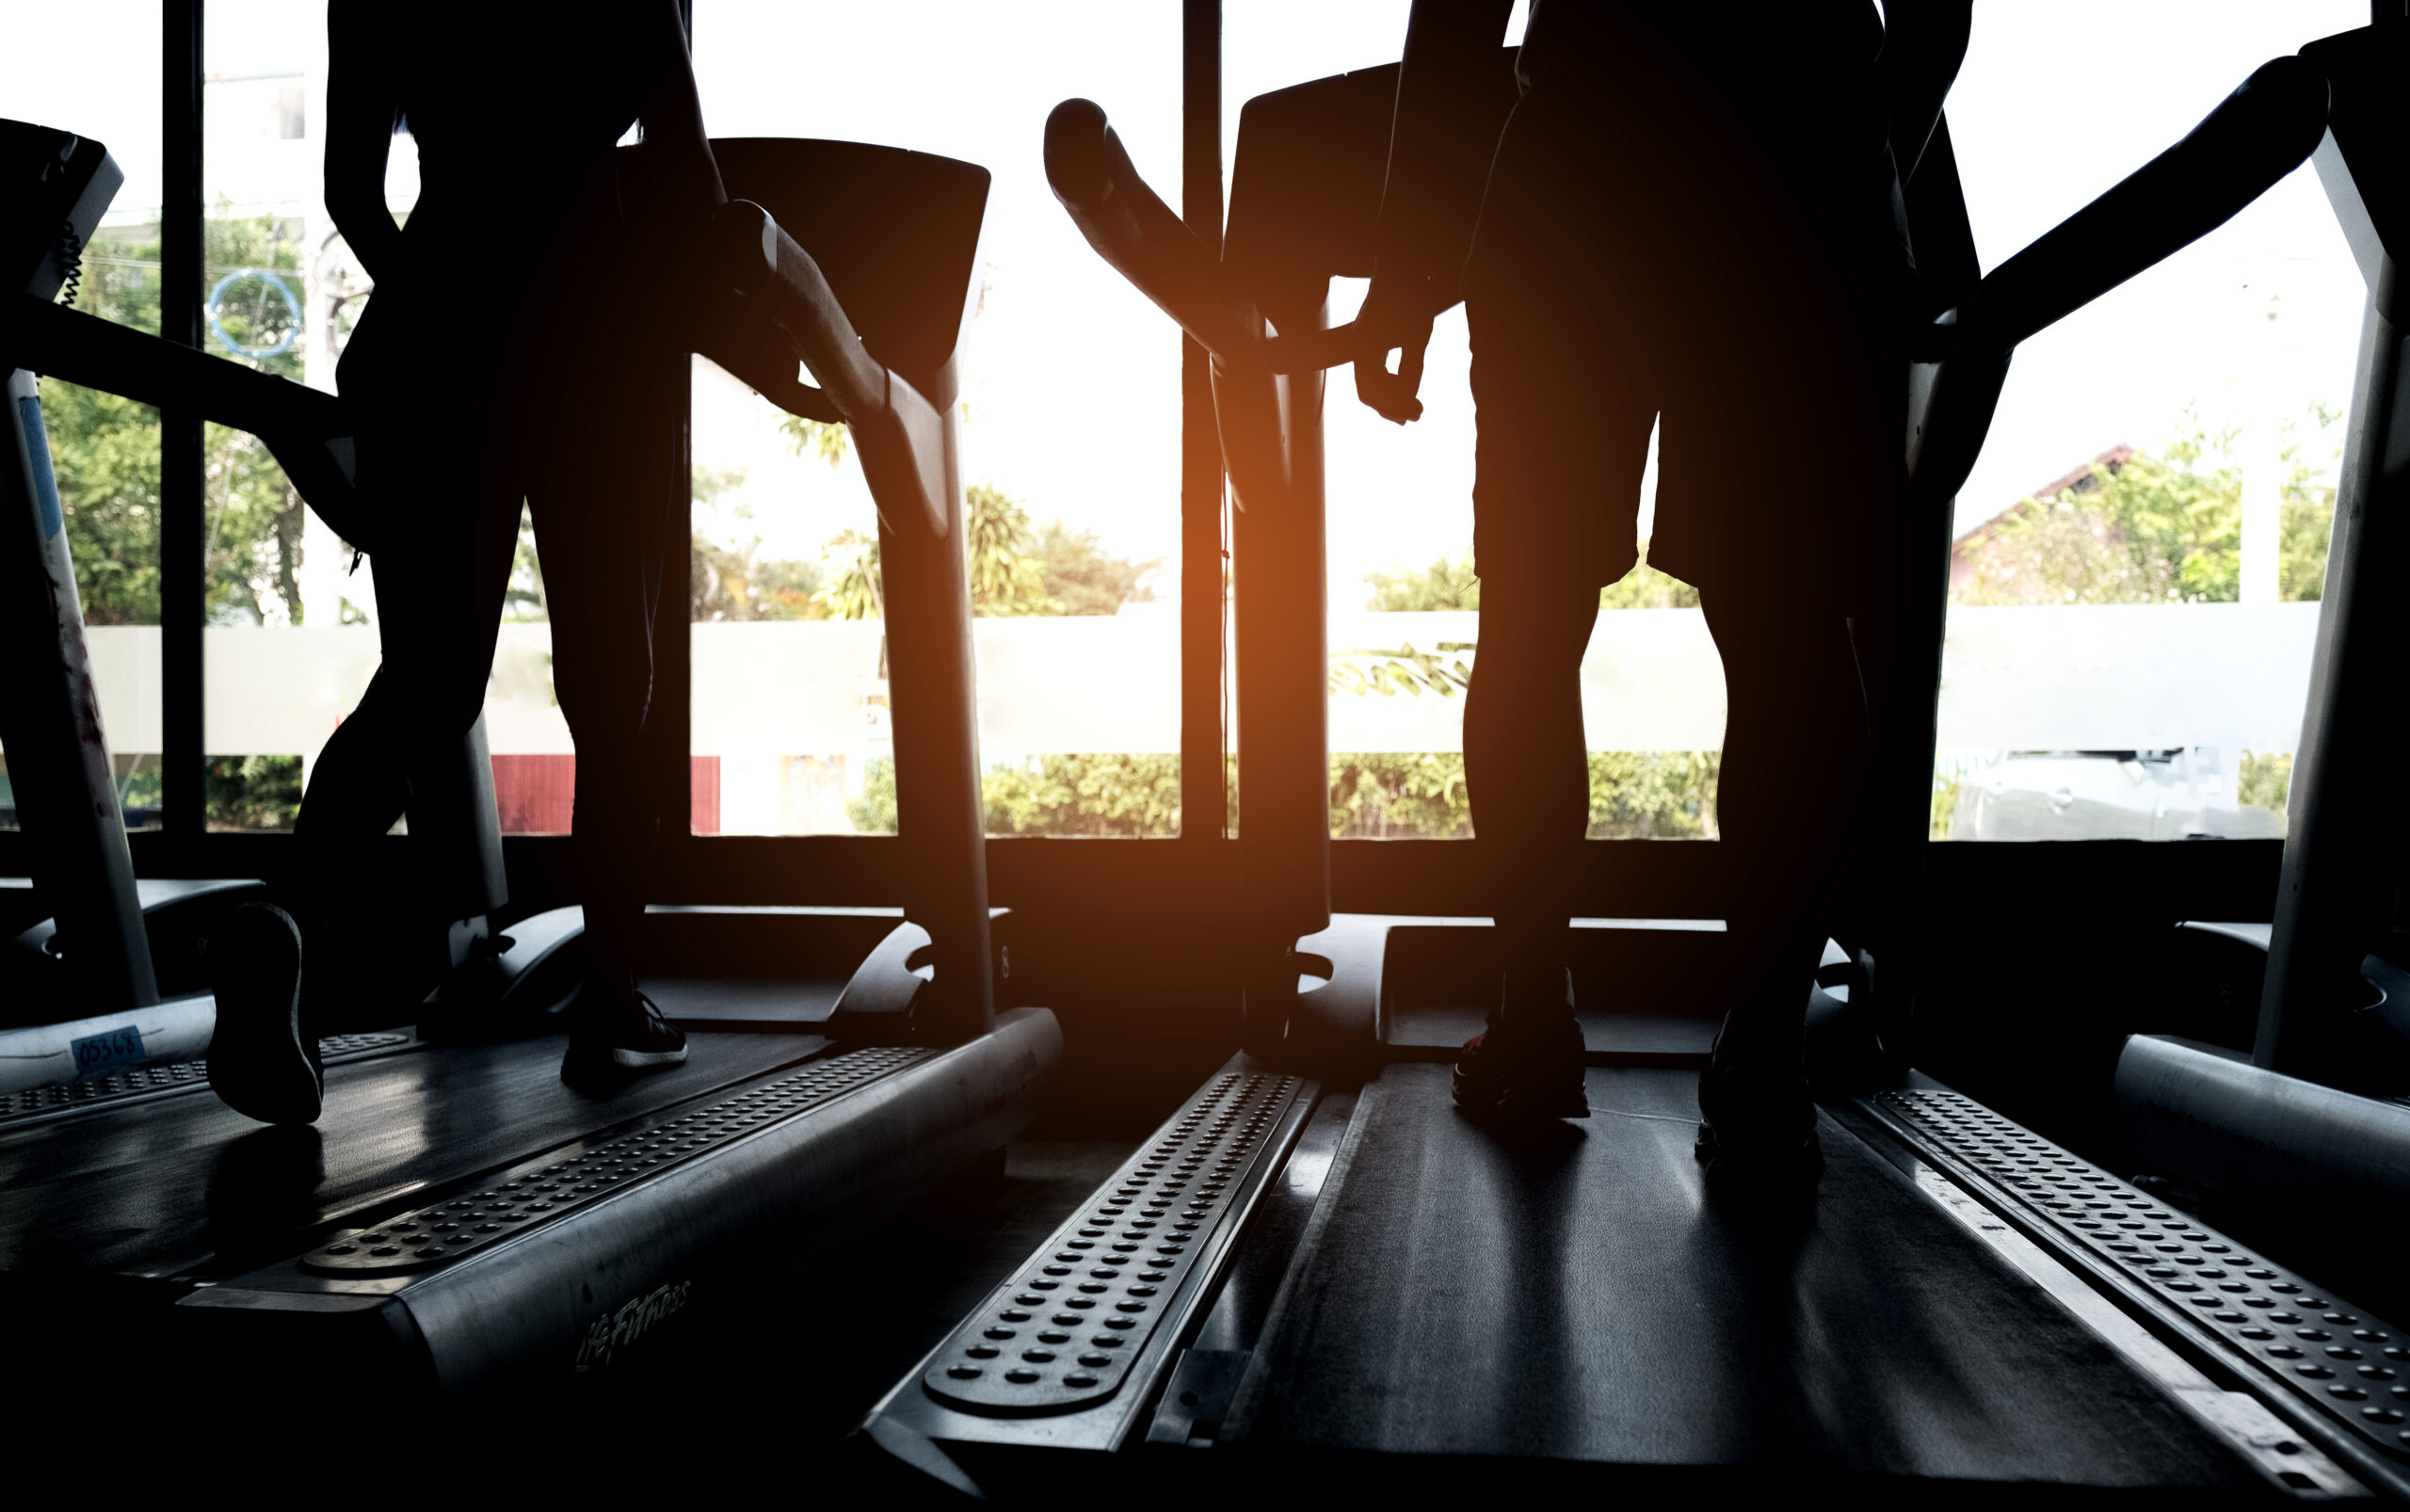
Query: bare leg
1789, 807
1527, 771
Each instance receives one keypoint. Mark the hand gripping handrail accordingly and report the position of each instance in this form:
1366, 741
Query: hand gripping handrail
1132, 228
899, 432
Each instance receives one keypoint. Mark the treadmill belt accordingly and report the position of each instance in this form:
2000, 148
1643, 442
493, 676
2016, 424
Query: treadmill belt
1580, 1299
184, 1186
165, 1076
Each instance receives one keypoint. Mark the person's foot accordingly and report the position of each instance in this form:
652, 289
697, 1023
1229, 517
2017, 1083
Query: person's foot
1516, 1074
261, 1062
1759, 1125
619, 1031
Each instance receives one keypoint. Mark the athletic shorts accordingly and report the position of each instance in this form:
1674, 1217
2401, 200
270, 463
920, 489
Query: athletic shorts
1612, 289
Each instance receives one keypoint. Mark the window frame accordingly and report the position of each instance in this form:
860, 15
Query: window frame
1197, 872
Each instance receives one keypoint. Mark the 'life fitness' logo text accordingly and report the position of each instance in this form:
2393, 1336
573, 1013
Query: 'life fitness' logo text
615, 1330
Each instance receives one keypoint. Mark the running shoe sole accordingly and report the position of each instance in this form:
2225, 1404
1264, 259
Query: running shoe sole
639, 1060
260, 1063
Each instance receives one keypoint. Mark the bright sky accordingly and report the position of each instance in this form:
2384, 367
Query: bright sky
1073, 379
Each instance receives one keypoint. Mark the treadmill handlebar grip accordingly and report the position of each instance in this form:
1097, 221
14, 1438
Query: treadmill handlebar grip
1132, 228
900, 433
2261, 131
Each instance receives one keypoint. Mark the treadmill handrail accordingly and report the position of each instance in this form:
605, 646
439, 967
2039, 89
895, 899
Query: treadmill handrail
308, 430
2264, 130
898, 430
1132, 228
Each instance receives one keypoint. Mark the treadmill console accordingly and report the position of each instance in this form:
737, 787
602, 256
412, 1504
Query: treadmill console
54, 186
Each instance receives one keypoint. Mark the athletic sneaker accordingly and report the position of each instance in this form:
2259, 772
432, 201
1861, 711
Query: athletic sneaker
1759, 1126
1517, 1075
261, 1062
625, 1034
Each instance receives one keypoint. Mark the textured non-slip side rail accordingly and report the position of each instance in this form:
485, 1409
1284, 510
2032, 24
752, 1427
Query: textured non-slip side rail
539, 1191
1063, 1334
2351, 1368
168, 1076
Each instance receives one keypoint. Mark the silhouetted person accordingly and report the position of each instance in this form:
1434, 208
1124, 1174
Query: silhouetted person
514, 350
1692, 219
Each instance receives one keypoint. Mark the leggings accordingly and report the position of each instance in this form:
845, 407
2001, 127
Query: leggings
595, 459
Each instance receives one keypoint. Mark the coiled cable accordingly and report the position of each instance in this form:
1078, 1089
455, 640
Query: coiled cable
70, 263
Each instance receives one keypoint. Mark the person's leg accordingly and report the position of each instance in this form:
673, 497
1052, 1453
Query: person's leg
1563, 433
1527, 771
325, 944
1790, 811
604, 513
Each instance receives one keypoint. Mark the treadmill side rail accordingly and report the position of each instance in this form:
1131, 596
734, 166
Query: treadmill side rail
1105, 1276
577, 1287
2326, 1366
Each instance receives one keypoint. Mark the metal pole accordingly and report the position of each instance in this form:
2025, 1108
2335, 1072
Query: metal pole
1204, 542
2335, 894
183, 548
933, 684
50, 721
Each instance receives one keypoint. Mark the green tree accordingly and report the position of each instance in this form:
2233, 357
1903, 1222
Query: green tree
1078, 576
105, 449
253, 793
824, 439
253, 515
2265, 781
1449, 583
1005, 578
1646, 587
850, 575
1634, 795
1118, 796
2158, 529
731, 581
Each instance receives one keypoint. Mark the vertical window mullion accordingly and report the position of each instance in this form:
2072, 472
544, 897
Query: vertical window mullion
182, 543
1203, 740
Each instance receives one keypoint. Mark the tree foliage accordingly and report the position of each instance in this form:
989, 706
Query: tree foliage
1634, 795
1004, 576
1451, 582
1104, 796
105, 449
733, 582
1015, 571
1079, 576
2158, 529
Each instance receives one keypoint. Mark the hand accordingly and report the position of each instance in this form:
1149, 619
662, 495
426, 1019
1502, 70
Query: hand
1396, 318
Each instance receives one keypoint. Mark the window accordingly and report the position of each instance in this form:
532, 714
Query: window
290, 639
1403, 628
67, 67
1070, 446
2141, 549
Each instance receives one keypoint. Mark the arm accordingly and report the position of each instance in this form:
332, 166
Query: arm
1436, 172
362, 108
684, 170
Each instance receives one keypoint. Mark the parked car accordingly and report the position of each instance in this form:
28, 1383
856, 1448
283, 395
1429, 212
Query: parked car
2179, 794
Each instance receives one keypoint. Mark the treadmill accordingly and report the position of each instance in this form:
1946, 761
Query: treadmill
458, 1219
103, 989
1316, 1265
